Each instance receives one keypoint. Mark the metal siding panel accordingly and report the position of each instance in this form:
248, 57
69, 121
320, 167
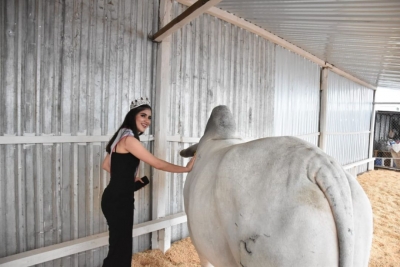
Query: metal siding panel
97, 64
38, 187
96, 158
21, 202
10, 229
28, 68
143, 204
48, 190
9, 90
125, 9
349, 111
3, 210
297, 95
57, 178
47, 62
84, 42
48, 187
111, 67
64, 191
214, 63
3, 58
30, 198
76, 66
74, 215
65, 195
81, 196
213, 57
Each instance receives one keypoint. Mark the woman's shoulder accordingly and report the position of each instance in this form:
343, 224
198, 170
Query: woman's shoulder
132, 140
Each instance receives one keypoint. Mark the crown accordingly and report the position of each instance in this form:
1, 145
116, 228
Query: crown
140, 102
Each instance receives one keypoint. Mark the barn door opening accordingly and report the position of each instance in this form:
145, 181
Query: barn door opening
387, 140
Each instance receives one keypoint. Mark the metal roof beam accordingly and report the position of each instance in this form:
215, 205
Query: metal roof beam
195, 10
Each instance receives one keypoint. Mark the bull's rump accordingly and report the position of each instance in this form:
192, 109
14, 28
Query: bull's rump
275, 214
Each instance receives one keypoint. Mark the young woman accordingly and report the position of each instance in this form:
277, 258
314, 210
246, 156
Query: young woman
124, 154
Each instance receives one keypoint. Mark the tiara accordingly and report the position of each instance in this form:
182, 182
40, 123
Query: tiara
140, 102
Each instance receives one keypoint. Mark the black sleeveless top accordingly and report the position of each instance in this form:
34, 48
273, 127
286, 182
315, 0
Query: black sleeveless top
123, 169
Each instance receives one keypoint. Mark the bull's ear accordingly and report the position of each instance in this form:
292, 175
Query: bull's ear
189, 152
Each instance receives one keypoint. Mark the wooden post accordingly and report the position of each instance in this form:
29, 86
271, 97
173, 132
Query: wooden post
323, 108
161, 239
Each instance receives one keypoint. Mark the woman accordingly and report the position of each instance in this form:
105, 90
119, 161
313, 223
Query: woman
124, 154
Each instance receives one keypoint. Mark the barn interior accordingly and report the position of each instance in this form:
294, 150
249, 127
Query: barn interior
70, 68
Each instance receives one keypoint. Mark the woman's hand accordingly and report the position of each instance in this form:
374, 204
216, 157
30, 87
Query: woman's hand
191, 163
139, 179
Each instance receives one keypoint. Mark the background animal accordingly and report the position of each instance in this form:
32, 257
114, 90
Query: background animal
272, 202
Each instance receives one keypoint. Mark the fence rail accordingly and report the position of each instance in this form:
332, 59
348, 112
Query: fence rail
72, 247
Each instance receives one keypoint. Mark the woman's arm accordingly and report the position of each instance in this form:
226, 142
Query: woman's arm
106, 163
136, 148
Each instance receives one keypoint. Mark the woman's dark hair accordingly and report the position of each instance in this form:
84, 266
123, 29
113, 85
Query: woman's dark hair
129, 123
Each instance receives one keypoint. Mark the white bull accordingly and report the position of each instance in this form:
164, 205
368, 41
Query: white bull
272, 202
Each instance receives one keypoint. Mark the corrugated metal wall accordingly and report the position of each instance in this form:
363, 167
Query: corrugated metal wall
216, 63
67, 68
297, 96
348, 120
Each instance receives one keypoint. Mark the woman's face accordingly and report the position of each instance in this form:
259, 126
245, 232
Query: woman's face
143, 120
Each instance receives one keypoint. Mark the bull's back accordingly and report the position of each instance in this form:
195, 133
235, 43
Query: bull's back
262, 206
274, 214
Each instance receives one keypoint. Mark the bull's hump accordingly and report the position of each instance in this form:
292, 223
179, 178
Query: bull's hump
221, 124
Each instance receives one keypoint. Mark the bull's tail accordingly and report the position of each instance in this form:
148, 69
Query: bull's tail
333, 182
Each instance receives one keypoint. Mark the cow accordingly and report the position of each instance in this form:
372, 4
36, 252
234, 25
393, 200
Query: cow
276, 201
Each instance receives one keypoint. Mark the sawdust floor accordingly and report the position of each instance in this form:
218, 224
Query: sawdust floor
383, 190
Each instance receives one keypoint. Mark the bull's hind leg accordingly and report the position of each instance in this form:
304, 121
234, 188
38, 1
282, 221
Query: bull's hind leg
362, 223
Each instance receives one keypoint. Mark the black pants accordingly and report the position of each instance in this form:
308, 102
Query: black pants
119, 215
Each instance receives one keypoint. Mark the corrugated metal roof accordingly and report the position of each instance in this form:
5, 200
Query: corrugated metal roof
361, 37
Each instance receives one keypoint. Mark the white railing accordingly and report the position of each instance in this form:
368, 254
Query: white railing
72, 247
353, 167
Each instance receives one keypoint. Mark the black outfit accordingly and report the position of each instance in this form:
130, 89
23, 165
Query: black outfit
117, 205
